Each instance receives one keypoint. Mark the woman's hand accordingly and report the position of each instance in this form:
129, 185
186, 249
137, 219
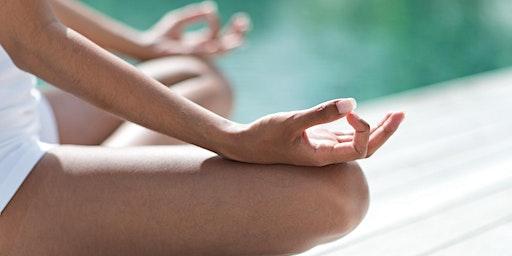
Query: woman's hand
168, 36
294, 137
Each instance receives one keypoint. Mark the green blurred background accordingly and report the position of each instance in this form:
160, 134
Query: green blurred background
302, 52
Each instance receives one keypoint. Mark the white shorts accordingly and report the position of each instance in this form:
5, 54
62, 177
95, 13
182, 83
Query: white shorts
19, 156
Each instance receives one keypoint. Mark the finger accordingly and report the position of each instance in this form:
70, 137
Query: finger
226, 44
343, 139
208, 48
231, 42
341, 133
381, 123
361, 133
213, 21
343, 152
239, 24
384, 132
323, 113
234, 35
191, 14
218, 47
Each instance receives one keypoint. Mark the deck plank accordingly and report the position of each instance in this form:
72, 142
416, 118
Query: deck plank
451, 156
402, 210
496, 238
437, 228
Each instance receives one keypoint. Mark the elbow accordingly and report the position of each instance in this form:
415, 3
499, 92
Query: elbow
17, 51
24, 50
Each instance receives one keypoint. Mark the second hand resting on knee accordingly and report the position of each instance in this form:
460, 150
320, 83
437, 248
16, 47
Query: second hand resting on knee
167, 37
40, 44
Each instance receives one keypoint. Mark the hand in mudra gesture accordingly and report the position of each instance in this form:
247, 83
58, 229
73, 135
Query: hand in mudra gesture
169, 35
296, 137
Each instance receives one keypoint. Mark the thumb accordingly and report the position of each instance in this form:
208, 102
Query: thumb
194, 13
323, 113
213, 21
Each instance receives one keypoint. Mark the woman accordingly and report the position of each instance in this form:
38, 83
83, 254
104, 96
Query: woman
289, 188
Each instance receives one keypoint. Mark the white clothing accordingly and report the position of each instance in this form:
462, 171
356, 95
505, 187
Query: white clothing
27, 127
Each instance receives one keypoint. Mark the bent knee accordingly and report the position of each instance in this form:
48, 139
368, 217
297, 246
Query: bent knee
342, 197
349, 194
195, 78
221, 91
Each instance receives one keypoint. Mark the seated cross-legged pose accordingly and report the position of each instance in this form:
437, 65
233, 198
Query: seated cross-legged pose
279, 185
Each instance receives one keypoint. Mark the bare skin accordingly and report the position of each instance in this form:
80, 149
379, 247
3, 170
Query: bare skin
165, 38
195, 78
177, 199
180, 60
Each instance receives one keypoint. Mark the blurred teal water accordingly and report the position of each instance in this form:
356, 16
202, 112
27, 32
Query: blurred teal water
302, 52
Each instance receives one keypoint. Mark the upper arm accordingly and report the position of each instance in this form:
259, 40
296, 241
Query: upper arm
23, 23
22, 20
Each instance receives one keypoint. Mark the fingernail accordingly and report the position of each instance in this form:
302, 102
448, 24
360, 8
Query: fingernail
346, 105
400, 114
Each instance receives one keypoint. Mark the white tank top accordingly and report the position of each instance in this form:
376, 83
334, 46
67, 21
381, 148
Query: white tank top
22, 113
18, 101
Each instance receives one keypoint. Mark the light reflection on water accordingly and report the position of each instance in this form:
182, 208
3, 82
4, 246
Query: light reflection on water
303, 52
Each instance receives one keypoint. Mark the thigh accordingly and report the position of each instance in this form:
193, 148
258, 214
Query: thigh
172, 200
79, 122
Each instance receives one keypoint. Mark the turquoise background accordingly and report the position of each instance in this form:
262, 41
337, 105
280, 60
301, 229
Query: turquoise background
302, 52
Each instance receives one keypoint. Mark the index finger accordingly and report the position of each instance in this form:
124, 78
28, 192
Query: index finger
206, 11
356, 148
212, 21
361, 133
233, 37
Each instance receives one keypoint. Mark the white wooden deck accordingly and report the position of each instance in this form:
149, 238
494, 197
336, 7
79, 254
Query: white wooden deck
443, 184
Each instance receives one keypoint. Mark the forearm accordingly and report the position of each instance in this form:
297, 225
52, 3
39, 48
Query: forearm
73, 63
101, 29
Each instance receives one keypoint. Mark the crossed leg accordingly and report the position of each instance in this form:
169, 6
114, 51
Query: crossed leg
177, 200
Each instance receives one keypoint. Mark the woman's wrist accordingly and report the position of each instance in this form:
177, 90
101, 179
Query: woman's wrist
228, 141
